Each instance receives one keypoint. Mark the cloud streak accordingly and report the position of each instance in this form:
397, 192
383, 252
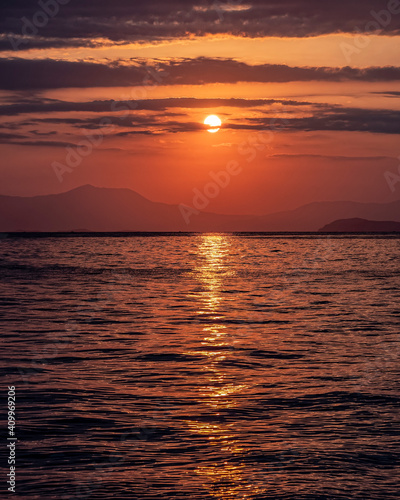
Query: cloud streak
107, 106
24, 74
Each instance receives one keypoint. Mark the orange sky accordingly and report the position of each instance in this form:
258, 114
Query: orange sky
336, 135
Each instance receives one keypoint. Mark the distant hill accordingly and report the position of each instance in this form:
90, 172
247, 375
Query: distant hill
102, 210
361, 226
123, 210
313, 216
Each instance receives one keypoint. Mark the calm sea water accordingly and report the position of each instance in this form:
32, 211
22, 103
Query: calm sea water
204, 366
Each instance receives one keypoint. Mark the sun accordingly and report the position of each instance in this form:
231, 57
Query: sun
214, 122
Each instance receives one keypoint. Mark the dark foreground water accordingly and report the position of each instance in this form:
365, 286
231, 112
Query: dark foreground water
203, 367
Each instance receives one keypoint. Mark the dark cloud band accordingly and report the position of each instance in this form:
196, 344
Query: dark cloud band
60, 21
24, 74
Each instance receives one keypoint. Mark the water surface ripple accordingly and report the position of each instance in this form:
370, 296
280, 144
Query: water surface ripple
206, 367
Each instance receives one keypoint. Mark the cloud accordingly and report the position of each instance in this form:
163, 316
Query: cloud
9, 41
161, 118
388, 94
50, 144
24, 74
335, 158
130, 105
6, 137
22, 140
36, 132
136, 132
331, 118
335, 118
144, 20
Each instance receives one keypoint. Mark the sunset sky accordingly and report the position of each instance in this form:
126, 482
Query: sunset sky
307, 92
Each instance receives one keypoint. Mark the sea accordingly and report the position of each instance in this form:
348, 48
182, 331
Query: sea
202, 366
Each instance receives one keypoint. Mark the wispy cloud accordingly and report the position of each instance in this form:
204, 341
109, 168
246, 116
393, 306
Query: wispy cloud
162, 119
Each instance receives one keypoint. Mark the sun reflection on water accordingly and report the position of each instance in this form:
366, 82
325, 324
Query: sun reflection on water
220, 394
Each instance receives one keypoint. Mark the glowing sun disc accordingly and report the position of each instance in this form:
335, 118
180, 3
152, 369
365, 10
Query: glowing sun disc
214, 122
